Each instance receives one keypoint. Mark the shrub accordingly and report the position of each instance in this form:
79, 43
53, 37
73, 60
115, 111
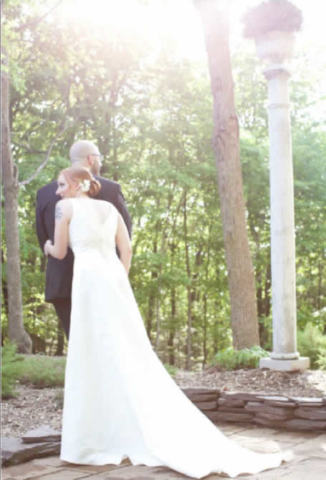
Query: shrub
172, 370
321, 360
11, 369
311, 343
231, 359
43, 371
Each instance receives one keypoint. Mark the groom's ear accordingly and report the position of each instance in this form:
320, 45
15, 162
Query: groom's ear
90, 161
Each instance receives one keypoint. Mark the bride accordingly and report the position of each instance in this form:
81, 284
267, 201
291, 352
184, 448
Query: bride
119, 400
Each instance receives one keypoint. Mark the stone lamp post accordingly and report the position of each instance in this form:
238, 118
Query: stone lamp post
274, 38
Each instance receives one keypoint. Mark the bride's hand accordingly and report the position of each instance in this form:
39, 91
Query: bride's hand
47, 244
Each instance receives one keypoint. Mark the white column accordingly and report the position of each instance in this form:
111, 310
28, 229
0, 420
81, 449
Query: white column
284, 355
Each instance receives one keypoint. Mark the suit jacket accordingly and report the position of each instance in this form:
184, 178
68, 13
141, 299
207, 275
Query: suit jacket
59, 272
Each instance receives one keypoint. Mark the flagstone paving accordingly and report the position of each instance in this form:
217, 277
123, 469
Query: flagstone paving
309, 461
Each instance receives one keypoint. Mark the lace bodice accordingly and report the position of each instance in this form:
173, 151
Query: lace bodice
88, 230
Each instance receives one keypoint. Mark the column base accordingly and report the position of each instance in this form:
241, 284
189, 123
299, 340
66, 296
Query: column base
301, 363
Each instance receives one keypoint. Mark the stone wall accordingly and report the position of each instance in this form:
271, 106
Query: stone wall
291, 413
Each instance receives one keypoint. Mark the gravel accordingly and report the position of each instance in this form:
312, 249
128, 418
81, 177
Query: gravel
309, 383
35, 407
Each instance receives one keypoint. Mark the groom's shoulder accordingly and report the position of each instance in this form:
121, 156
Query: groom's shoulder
47, 191
108, 184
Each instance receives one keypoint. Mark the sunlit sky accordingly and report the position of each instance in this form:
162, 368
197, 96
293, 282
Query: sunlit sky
179, 20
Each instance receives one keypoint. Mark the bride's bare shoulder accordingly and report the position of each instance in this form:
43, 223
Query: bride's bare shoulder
64, 201
63, 208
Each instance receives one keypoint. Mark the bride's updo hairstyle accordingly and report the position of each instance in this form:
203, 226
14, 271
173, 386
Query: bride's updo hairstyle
88, 183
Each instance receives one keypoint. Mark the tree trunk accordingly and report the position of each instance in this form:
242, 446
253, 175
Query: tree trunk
171, 358
150, 314
173, 325
151, 300
226, 145
158, 324
16, 329
216, 343
189, 314
205, 332
320, 286
268, 283
60, 340
4, 289
205, 327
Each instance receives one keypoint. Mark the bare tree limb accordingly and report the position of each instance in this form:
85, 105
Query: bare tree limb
62, 129
35, 127
47, 157
28, 148
38, 20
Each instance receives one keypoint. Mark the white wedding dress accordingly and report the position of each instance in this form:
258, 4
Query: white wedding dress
119, 400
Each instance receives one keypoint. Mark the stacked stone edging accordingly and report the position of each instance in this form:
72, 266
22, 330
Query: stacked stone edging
291, 413
38, 443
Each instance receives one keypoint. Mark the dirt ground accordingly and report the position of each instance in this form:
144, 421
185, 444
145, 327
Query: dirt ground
34, 407
309, 383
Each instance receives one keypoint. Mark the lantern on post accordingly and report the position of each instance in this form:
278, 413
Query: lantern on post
273, 25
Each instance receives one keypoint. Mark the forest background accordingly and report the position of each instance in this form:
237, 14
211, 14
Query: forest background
148, 107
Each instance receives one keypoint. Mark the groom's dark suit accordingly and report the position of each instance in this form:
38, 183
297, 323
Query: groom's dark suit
59, 272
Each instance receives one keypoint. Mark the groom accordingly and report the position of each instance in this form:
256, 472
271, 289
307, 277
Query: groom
59, 272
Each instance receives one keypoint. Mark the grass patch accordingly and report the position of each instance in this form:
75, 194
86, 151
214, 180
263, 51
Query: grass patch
10, 368
42, 371
171, 369
37, 370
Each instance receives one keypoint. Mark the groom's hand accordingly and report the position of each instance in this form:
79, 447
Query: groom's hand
47, 244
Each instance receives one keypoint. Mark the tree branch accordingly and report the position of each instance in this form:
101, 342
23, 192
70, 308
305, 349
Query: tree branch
38, 20
62, 129
29, 149
47, 157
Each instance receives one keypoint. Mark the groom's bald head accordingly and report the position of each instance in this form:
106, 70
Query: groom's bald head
81, 149
85, 154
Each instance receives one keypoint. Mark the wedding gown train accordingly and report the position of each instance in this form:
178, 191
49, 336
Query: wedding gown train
119, 400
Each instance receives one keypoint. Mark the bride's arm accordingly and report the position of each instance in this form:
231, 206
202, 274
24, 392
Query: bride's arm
123, 243
63, 213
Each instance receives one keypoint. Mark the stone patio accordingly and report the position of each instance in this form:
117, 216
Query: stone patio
309, 461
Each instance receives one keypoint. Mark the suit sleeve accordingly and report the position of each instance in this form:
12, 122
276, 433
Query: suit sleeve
40, 229
122, 208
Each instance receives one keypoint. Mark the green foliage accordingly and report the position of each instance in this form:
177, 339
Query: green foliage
150, 111
321, 361
11, 369
42, 371
172, 370
230, 359
312, 344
